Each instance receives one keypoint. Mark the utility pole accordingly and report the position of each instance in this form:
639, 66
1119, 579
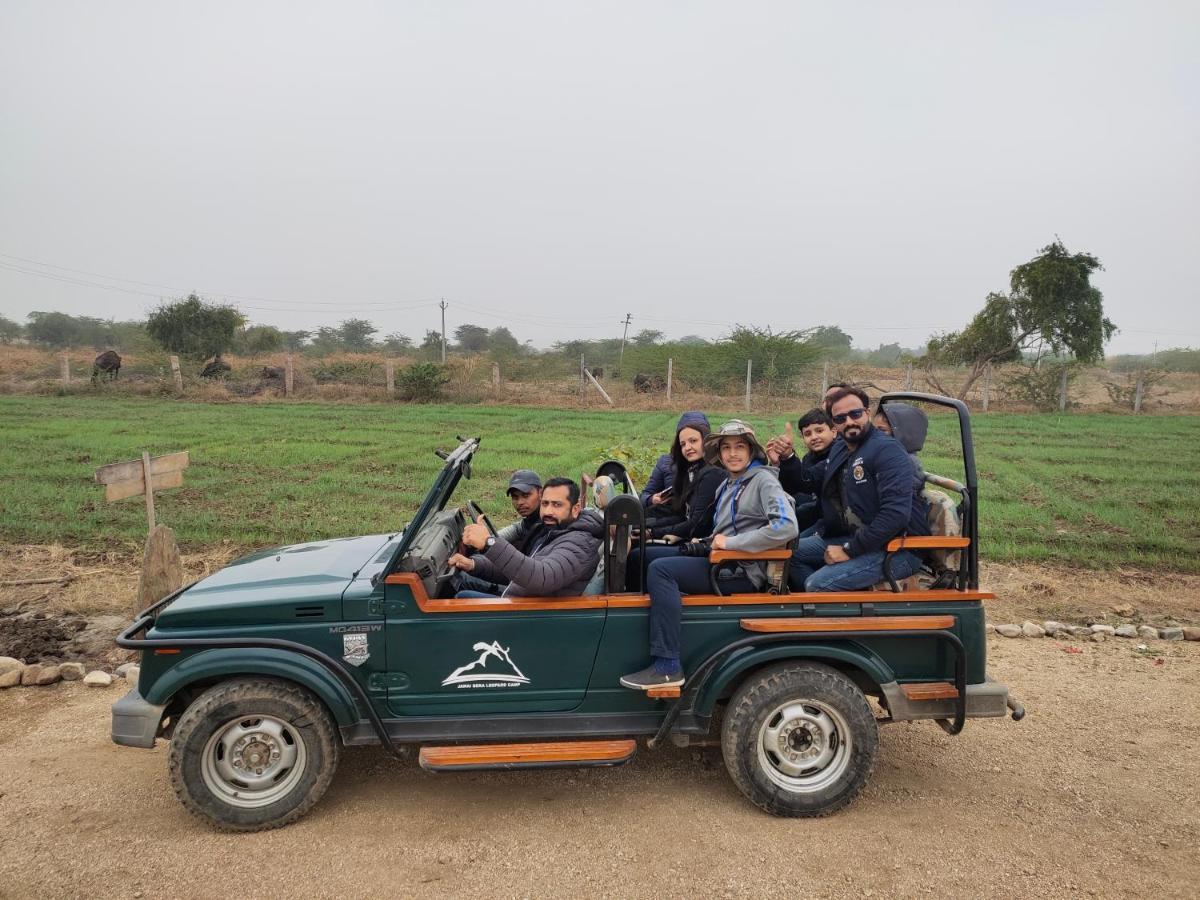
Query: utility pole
624, 334
443, 306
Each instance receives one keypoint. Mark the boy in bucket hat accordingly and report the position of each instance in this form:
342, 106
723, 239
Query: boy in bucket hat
752, 513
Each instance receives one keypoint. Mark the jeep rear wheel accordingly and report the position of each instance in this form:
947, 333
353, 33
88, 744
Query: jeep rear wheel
249, 755
799, 739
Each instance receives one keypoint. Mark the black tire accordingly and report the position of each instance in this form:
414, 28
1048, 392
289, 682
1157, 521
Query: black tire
799, 739
274, 722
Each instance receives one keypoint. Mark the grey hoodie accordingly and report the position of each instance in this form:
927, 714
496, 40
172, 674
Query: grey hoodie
754, 514
559, 565
909, 427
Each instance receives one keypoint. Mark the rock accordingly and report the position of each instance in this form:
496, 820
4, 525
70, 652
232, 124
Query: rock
1129, 631
131, 675
49, 675
11, 678
97, 638
97, 679
72, 671
1148, 631
1191, 634
1103, 629
1099, 636
989, 628
8, 664
1079, 630
1171, 634
123, 668
1030, 629
1125, 609
1009, 630
1051, 627
162, 569
29, 675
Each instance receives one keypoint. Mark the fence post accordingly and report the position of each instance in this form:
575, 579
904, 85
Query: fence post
288, 376
749, 369
824, 380
1139, 392
1062, 391
177, 374
389, 373
495, 374
64, 367
670, 372
987, 386
603, 392
908, 377
582, 371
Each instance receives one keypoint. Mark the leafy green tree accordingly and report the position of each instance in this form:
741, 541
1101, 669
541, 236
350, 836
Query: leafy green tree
503, 344
10, 331
55, 329
258, 339
692, 340
356, 335
1051, 302
195, 328
295, 340
831, 340
398, 343
471, 338
647, 337
327, 340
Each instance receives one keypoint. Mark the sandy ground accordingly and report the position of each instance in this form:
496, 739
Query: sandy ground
1094, 793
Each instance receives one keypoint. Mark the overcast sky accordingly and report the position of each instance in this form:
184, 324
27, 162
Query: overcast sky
552, 166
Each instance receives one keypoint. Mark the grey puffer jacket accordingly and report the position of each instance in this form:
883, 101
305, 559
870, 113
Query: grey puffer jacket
560, 565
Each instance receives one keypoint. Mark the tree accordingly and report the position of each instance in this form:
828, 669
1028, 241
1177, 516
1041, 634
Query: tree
502, 343
431, 344
831, 340
355, 335
9, 330
294, 340
471, 338
1051, 302
692, 340
193, 327
647, 337
398, 343
260, 339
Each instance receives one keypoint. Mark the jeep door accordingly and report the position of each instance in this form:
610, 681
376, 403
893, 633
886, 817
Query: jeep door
463, 657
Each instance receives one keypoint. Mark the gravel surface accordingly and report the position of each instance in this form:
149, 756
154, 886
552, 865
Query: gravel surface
1095, 793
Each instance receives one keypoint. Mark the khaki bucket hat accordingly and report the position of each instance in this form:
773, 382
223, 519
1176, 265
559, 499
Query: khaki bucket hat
732, 428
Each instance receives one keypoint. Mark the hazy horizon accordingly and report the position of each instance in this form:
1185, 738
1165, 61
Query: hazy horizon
551, 167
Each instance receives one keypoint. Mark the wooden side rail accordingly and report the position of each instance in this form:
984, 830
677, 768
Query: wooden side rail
931, 690
850, 623
927, 542
720, 556
454, 757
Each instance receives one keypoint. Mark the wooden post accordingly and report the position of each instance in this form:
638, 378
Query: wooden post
670, 373
1139, 392
177, 374
1062, 391
582, 371
908, 377
749, 369
987, 386
288, 376
603, 393
824, 381
64, 366
495, 374
149, 489
389, 374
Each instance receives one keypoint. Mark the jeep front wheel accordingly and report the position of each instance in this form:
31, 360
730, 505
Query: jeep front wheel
249, 755
799, 739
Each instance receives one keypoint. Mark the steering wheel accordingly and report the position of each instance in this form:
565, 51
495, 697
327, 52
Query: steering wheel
476, 512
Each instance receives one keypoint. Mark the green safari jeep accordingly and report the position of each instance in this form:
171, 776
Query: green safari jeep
261, 673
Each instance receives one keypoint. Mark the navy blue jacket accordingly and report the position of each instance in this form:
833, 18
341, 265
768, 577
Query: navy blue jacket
660, 479
868, 495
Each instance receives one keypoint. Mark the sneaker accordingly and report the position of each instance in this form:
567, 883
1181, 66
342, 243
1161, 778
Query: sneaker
650, 678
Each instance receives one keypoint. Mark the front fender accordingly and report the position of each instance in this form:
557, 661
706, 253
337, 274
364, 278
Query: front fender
855, 655
209, 664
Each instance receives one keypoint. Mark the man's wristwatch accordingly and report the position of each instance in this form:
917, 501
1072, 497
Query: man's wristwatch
489, 543
846, 548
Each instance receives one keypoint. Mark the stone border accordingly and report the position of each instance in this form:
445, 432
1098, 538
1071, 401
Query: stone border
1096, 633
14, 672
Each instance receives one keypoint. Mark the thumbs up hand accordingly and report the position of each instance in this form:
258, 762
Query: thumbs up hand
781, 446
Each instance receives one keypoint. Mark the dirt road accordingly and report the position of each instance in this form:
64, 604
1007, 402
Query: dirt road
1094, 793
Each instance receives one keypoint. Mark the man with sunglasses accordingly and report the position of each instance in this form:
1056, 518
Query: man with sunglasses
867, 498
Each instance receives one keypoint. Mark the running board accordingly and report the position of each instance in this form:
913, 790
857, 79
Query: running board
470, 758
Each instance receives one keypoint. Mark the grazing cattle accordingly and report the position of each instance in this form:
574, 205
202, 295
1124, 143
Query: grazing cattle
272, 373
107, 364
598, 372
218, 368
648, 384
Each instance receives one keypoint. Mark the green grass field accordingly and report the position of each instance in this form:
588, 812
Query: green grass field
1094, 490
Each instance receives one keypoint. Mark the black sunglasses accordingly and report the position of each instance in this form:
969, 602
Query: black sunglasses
854, 414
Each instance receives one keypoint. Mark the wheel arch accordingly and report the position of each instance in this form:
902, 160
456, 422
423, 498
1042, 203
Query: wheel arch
209, 667
864, 667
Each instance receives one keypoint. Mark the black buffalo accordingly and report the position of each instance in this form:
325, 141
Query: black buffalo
218, 368
107, 364
648, 384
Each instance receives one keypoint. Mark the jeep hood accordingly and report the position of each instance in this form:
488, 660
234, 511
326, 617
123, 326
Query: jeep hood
269, 584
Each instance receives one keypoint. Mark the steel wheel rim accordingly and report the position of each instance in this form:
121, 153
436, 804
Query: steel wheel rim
253, 761
804, 746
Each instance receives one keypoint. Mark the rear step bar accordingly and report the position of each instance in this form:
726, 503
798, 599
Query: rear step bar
470, 758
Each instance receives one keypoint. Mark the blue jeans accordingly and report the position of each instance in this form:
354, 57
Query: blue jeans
809, 572
471, 583
633, 569
475, 595
668, 579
